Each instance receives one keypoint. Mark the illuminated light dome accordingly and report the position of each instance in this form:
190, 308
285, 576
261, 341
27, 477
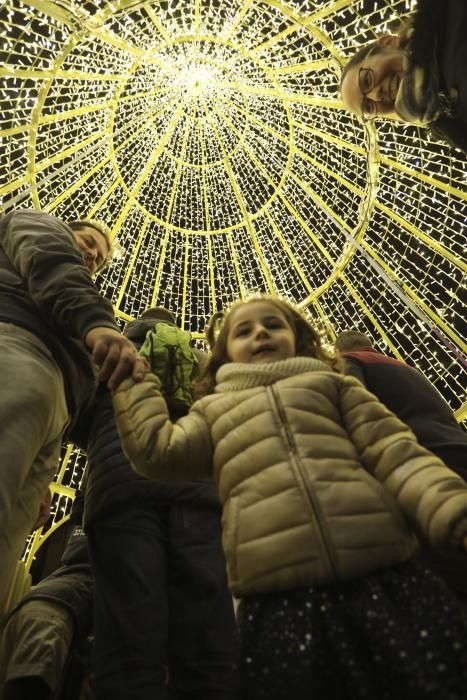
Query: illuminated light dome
209, 135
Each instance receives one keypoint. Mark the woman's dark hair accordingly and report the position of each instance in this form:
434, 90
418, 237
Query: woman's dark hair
307, 341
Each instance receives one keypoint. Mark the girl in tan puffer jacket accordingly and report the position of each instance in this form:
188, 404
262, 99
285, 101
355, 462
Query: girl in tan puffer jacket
322, 488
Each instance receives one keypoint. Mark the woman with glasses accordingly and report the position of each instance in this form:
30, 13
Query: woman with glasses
419, 73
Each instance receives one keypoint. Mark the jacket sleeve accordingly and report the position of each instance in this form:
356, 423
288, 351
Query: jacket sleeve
353, 368
430, 495
42, 250
156, 447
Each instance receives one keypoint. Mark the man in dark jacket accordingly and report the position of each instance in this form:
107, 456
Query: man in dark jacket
408, 394
48, 622
162, 607
53, 325
419, 73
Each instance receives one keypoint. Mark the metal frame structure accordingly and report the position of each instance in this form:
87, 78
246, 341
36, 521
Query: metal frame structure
210, 137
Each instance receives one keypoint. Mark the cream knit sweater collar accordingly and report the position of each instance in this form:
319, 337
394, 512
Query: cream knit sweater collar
235, 376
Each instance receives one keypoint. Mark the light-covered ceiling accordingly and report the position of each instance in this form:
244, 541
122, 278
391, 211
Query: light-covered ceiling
210, 137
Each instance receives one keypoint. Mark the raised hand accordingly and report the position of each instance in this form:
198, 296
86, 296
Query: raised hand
115, 355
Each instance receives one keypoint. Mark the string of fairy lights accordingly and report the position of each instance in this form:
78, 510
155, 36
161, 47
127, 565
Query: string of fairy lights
210, 137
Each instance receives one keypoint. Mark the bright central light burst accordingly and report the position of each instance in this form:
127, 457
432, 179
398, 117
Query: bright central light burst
198, 79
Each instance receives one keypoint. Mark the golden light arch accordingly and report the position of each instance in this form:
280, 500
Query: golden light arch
210, 136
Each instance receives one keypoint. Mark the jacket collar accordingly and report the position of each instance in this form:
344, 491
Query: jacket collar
236, 376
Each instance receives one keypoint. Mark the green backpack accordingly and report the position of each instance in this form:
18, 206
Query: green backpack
172, 359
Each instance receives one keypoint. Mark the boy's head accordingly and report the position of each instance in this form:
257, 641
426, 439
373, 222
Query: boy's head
351, 340
136, 330
159, 313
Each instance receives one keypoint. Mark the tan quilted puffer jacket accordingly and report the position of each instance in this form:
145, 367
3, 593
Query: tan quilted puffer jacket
319, 482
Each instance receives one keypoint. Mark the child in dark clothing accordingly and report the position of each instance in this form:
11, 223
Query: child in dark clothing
322, 488
161, 596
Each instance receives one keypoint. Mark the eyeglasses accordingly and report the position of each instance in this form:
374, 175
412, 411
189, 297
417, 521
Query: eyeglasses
366, 83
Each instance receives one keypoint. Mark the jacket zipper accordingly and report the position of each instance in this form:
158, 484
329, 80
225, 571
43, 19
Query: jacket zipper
311, 496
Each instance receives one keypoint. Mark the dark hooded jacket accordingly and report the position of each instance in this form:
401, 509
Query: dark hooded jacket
408, 394
111, 482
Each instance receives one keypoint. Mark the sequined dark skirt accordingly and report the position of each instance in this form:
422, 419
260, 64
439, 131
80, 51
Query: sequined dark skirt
399, 634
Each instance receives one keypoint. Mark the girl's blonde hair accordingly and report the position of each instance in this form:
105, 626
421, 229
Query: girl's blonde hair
307, 341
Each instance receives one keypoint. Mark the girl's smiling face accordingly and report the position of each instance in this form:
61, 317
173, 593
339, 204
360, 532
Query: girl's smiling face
258, 333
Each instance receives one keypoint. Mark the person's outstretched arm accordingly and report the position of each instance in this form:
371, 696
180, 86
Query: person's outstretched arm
156, 447
430, 495
42, 250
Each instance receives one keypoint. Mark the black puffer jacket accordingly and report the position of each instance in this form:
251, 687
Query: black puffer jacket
111, 482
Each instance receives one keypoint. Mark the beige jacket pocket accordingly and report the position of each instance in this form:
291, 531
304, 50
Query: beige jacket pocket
390, 504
